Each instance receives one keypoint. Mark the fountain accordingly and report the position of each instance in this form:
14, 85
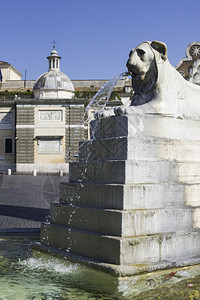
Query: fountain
131, 205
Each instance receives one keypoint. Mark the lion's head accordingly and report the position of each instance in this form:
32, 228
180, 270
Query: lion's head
143, 65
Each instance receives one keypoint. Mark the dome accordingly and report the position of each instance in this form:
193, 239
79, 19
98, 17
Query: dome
54, 80
53, 84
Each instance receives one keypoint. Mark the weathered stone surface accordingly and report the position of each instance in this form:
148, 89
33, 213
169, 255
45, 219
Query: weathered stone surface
124, 251
25, 115
188, 172
146, 126
124, 223
150, 171
101, 248
133, 148
133, 196
155, 171
25, 146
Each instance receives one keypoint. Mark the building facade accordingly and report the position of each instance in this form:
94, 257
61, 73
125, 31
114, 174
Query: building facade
45, 134
8, 72
7, 136
42, 133
38, 134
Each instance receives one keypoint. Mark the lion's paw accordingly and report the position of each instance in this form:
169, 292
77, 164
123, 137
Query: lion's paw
119, 111
104, 114
122, 110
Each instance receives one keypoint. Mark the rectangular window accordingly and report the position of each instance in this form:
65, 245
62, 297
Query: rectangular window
8, 146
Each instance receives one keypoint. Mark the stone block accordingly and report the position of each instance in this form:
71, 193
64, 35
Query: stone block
132, 196
102, 248
196, 218
171, 247
191, 194
144, 126
123, 223
101, 150
140, 171
147, 249
107, 222
133, 148
180, 246
98, 247
188, 172
155, 171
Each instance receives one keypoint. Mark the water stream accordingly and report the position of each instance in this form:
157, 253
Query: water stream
97, 103
104, 93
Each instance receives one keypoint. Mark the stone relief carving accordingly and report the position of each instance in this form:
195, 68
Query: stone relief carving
195, 50
50, 115
188, 67
194, 72
6, 118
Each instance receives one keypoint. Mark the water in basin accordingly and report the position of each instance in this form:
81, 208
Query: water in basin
30, 275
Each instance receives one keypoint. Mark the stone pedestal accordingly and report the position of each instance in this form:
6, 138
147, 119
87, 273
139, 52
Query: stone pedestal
132, 203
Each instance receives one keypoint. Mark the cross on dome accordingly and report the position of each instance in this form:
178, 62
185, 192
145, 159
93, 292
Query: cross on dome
54, 42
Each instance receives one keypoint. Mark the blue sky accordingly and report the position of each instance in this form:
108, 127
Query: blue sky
93, 37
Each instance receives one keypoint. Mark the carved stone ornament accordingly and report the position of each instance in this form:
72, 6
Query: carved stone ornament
188, 66
50, 115
159, 88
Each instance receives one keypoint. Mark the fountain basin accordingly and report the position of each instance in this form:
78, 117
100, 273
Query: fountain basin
27, 274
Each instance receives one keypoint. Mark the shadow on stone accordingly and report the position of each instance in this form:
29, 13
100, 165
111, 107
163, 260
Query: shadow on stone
22, 212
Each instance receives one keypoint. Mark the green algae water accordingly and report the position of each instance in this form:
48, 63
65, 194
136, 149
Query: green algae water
30, 275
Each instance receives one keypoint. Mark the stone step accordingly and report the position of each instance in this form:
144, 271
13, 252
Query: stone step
125, 223
155, 171
188, 172
125, 251
144, 126
136, 196
141, 171
123, 148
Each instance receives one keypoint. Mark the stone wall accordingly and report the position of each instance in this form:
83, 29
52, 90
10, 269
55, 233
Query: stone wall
25, 115
25, 145
24, 136
79, 85
74, 133
16, 85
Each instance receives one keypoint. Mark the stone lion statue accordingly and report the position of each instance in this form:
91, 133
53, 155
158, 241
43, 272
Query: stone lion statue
158, 87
